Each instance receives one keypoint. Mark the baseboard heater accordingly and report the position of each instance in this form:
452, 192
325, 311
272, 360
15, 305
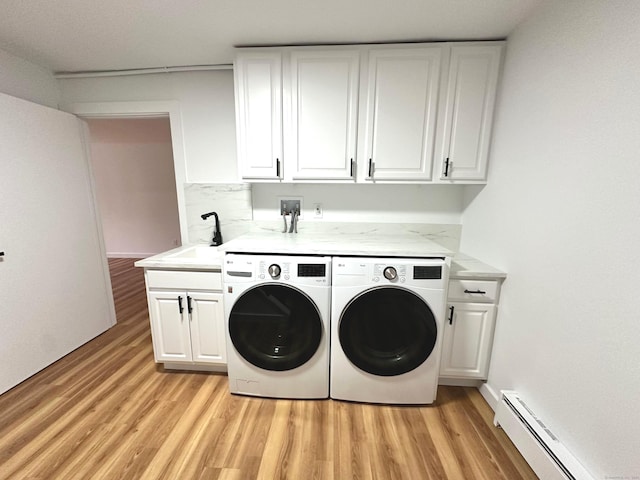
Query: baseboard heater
546, 455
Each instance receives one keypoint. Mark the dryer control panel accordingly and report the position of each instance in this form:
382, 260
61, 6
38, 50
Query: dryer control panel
297, 270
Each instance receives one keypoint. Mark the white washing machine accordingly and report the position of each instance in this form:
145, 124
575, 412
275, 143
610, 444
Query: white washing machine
387, 318
277, 317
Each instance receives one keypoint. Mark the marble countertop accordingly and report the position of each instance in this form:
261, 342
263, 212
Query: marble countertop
204, 257
464, 266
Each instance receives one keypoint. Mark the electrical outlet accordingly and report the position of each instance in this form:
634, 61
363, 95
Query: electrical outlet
317, 210
289, 205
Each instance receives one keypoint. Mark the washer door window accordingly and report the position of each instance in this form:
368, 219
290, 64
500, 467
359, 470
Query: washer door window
387, 331
275, 327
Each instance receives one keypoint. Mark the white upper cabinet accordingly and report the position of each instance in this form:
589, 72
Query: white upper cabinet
467, 114
401, 111
366, 113
258, 91
323, 122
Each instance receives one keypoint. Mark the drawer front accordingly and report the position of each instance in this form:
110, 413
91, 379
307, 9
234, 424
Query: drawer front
184, 280
473, 291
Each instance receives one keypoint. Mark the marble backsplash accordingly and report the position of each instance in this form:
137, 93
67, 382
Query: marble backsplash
233, 203
447, 235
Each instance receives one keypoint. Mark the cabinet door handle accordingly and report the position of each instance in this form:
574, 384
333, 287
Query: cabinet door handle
446, 167
451, 309
278, 167
180, 304
478, 292
351, 171
370, 168
189, 308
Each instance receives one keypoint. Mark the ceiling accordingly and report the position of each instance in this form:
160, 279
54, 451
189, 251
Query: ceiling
89, 35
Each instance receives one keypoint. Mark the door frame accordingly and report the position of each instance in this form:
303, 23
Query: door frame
148, 109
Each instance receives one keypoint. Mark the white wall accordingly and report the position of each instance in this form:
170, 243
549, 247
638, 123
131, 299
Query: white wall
206, 104
135, 185
28, 81
561, 215
364, 203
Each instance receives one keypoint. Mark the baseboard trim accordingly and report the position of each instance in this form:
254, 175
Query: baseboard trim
459, 382
195, 367
129, 255
489, 395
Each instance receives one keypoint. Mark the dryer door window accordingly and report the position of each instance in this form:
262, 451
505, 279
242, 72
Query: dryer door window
387, 331
275, 327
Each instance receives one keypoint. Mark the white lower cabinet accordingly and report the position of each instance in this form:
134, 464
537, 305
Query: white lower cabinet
468, 328
187, 326
468, 337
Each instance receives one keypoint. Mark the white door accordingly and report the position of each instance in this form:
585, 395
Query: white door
207, 327
402, 100
322, 134
468, 337
55, 292
258, 84
468, 112
168, 312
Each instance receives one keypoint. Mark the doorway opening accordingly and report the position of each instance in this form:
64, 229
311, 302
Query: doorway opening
168, 110
133, 168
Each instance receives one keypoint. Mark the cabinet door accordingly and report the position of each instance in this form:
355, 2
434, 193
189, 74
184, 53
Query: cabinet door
170, 327
258, 84
207, 327
322, 133
402, 98
468, 336
468, 112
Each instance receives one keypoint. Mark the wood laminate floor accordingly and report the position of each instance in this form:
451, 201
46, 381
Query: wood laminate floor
107, 411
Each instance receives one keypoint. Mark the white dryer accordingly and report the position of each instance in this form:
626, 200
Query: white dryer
277, 317
387, 318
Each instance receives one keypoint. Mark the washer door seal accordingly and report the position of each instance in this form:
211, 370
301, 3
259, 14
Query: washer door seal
387, 331
275, 327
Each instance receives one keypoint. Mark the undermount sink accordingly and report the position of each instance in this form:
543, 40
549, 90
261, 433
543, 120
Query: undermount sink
197, 253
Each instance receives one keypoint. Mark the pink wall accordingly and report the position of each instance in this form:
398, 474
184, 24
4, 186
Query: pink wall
132, 162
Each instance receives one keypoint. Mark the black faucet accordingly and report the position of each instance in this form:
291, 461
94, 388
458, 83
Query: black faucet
217, 235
